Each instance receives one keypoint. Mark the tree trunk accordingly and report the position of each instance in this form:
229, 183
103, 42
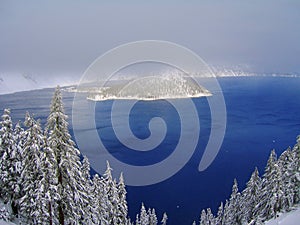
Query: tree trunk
61, 215
60, 209
50, 214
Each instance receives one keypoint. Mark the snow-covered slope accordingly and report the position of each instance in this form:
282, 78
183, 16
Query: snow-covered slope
10, 83
3, 212
5, 223
290, 218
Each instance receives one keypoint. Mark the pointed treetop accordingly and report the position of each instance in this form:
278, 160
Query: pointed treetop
273, 156
235, 186
108, 174
108, 166
56, 104
255, 174
28, 119
6, 116
6, 111
121, 179
256, 170
18, 126
164, 219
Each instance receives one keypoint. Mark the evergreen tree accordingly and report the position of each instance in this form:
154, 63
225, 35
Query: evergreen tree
122, 204
30, 203
49, 185
111, 191
70, 183
226, 213
10, 161
203, 218
234, 207
219, 219
296, 172
148, 217
19, 136
98, 202
86, 169
272, 189
88, 207
164, 219
152, 217
19, 143
251, 196
137, 220
144, 217
210, 217
287, 166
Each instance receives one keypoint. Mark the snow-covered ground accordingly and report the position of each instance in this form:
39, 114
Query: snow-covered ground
290, 218
5, 223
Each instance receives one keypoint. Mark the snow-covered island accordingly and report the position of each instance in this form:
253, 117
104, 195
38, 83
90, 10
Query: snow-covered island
146, 88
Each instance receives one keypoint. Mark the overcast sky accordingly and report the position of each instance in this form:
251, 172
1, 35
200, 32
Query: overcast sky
64, 37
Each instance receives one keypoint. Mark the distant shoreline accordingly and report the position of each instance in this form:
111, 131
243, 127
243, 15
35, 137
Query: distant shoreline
7, 92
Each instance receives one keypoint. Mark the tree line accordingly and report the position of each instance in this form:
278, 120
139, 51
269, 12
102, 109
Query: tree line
278, 190
44, 181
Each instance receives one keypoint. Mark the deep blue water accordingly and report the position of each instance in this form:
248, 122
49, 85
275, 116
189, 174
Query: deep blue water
263, 113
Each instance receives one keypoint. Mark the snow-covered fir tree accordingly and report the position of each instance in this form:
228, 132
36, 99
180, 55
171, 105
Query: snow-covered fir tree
251, 196
287, 167
234, 207
110, 190
144, 217
272, 189
86, 169
226, 213
89, 212
203, 218
72, 197
49, 184
98, 201
19, 136
32, 173
149, 217
296, 170
122, 203
152, 217
210, 217
137, 220
164, 219
10, 163
219, 218
207, 217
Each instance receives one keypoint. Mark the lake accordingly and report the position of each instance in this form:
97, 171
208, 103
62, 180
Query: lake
263, 113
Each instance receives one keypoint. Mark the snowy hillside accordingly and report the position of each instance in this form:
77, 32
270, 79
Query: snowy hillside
290, 218
3, 213
5, 223
24, 82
